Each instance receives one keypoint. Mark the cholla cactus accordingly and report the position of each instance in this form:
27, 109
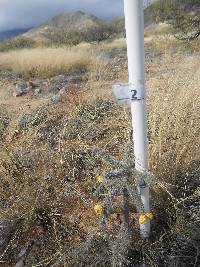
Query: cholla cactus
110, 243
112, 186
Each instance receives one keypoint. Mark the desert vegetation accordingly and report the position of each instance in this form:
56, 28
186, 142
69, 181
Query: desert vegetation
48, 62
49, 165
183, 15
94, 34
17, 43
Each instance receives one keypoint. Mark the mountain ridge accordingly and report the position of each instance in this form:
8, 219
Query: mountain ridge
78, 20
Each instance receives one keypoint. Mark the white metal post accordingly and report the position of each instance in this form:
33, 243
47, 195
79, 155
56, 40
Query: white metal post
134, 21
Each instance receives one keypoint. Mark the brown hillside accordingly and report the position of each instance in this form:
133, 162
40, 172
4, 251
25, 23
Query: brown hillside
70, 21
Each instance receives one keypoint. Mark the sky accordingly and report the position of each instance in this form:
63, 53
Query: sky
28, 13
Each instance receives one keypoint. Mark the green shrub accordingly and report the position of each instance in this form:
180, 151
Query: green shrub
64, 37
183, 15
162, 10
119, 25
99, 33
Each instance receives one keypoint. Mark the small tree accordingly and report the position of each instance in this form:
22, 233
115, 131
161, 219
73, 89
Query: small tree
183, 15
64, 37
187, 24
99, 33
162, 10
119, 24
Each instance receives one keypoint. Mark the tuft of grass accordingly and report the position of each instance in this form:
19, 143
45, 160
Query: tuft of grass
116, 43
174, 106
167, 44
47, 62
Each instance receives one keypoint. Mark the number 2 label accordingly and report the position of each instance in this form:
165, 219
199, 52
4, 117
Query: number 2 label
134, 95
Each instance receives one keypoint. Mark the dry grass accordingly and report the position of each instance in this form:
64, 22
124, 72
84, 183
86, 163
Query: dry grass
62, 176
45, 62
174, 106
50, 171
168, 45
116, 43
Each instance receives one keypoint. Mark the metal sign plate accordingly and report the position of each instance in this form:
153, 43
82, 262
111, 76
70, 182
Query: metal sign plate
127, 92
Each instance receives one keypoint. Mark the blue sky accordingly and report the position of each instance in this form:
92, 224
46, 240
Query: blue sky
27, 13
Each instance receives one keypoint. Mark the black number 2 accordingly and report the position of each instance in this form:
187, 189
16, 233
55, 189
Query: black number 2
134, 93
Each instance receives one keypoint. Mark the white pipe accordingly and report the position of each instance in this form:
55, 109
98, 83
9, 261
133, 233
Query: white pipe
134, 21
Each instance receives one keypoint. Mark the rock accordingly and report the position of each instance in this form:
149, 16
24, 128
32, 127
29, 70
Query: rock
63, 90
57, 83
75, 79
38, 91
58, 79
20, 89
31, 85
55, 88
56, 99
